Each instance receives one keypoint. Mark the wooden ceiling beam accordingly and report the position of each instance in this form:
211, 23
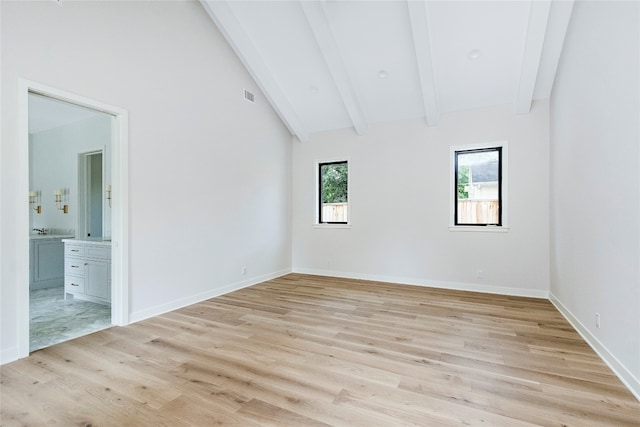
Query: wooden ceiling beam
319, 23
422, 46
534, 42
559, 17
224, 18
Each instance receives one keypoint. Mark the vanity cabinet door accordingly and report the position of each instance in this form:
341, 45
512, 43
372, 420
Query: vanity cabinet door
49, 260
46, 263
97, 279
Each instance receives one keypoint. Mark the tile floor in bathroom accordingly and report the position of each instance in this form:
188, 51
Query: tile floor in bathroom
54, 319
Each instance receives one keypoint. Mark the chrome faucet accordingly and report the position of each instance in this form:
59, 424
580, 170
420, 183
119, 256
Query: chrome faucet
40, 230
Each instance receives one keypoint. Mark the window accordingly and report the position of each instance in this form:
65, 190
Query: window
478, 186
333, 193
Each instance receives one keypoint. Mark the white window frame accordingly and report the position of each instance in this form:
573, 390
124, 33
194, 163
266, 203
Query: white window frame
504, 184
316, 172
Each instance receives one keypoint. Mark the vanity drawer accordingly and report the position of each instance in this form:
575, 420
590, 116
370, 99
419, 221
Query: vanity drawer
72, 250
74, 267
101, 252
74, 284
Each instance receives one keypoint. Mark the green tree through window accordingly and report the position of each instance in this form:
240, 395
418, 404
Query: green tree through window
333, 192
334, 182
463, 181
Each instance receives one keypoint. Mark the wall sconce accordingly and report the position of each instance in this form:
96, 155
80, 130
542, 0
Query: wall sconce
59, 204
107, 190
33, 199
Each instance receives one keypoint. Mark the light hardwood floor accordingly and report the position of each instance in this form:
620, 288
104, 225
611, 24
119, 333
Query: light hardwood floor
306, 350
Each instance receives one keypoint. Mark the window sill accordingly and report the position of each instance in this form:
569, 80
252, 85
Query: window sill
332, 226
481, 229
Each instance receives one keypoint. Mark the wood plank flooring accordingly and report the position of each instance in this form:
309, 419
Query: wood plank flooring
308, 351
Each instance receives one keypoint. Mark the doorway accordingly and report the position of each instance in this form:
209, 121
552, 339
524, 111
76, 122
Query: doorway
111, 228
91, 197
62, 137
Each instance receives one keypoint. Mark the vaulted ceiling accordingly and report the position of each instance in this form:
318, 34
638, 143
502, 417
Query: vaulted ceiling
332, 64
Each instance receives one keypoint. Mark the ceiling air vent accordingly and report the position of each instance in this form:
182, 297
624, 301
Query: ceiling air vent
249, 96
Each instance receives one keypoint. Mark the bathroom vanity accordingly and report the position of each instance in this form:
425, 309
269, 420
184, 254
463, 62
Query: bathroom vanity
47, 261
87, 269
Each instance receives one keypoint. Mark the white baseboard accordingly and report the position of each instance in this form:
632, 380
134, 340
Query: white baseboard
8, 355
193, 299
472, 287
627, 378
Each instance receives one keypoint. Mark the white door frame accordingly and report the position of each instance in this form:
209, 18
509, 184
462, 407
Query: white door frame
119, 203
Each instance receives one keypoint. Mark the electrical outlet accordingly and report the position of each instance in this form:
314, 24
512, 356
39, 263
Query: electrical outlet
480, 274
598, 320
243, 270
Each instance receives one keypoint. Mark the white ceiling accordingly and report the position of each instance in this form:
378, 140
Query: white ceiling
319, 62
47, 113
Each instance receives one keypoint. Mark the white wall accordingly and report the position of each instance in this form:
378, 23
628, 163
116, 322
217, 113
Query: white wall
54, 164
400, 205
209, 172
595, 141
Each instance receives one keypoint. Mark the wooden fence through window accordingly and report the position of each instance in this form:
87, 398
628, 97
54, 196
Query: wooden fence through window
335, 212
478, 211
469, 212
